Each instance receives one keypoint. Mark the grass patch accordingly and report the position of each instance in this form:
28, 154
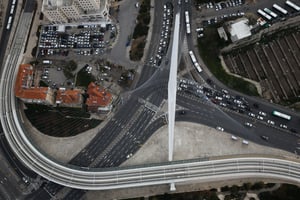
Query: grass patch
84, 78
140, 31
137, 48
209, 48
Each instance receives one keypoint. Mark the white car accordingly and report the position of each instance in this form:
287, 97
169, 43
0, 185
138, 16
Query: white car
251, 114
219, 128
248, 124
271, 122
283, 126
260, 117
262, 113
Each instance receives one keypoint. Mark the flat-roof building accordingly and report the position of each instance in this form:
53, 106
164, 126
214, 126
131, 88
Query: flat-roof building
239, 29
70, 11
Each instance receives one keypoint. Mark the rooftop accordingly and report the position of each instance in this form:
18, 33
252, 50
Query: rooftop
24, 88
240, 29
24, 79
68, 96
98, 96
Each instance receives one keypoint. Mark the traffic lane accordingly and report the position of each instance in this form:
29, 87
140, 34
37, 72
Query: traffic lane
148, 70
265, 106
16, 164
278, 138
105, 136
7, 187
234, 123
130, 141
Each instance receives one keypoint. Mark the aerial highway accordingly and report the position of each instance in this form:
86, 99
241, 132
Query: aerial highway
90, 169
110, 178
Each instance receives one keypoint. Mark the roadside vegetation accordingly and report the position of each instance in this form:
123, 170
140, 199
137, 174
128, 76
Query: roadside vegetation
69, 68
84, 78
209, 48
140, 31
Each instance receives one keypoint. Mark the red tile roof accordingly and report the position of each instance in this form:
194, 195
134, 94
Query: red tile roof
68, 96
98, 96
23, 87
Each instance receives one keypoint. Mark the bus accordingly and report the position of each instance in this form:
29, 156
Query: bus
270, 12
280, 9
292, 5
188, 28
281, 115
187, 21
187, 18
265, 15
194, 61
12, 9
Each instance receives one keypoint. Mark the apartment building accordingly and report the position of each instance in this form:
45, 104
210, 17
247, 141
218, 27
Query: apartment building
70, 11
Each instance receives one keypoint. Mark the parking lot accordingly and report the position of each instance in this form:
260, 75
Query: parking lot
274, 65
83, 40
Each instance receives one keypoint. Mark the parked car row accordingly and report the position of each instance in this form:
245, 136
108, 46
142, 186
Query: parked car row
221, 18
224, 4
91, 38
164, 36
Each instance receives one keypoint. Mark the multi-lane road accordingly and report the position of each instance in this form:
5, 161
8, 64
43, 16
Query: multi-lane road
131, 126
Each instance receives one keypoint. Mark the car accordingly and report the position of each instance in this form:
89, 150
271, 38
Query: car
264, 137
224, 91
223, 104
251, 114
129, 155
245, 142
182, 112
271, 122
248, 124
260, 117
234, 137
293, 130
255, 105
283, 126
219, 128
262, 113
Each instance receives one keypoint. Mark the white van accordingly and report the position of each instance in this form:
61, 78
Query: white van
234, 137
245, 142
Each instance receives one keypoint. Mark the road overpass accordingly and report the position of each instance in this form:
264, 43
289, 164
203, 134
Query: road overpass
114, 178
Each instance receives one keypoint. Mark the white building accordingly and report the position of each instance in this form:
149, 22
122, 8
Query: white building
239, 29
70, 11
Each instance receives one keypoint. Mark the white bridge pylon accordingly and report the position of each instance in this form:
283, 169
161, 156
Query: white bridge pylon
172, 86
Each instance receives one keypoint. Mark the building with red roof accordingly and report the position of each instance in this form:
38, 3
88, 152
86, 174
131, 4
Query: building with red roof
69, 98
99, 99
25, 90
